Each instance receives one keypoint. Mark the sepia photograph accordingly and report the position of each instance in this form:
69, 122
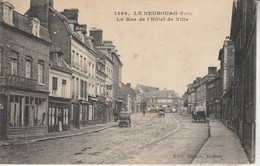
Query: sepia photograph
128, 81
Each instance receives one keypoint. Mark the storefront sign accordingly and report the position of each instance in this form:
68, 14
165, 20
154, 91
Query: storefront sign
20, 82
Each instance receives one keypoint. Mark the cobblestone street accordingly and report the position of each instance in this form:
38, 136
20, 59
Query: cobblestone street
152, 140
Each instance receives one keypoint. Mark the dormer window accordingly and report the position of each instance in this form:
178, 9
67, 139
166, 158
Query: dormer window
35, 24
8, 9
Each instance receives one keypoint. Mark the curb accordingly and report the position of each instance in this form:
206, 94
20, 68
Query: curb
58, 137
208, 121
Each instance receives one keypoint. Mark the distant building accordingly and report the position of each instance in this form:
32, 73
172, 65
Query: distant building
191, 98
214, 89
144, 89
162, 99
128, 96
226, 58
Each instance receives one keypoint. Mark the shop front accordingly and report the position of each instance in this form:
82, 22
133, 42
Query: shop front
27, 113
92, 110
83, 114
59, 114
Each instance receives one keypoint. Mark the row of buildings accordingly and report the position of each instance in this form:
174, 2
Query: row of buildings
154, 99
54, 76
230, 92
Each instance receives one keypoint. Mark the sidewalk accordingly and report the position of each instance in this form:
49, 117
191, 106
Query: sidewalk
56, 135
222, 147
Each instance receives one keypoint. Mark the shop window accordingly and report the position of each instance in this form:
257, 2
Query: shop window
54, 85
16, 111
81, 114
40, 72
53, 119
91, 113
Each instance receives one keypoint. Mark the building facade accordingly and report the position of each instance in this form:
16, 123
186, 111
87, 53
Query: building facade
128, 96
60, 93
214, 90
226, 58
243, 34
162, 99
24, 84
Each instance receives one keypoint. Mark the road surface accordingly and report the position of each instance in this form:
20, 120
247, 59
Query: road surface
150, 140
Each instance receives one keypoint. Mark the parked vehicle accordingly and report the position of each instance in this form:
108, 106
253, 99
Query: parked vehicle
161, 113
124, 119
199, 114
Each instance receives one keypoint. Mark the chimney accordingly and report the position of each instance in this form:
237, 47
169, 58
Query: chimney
198, 78
212, 70
71, 14
40, 10
97, 34
128, 85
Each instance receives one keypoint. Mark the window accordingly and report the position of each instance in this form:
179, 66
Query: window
72, 58
14, 66
98, 89
81, 61
63, 89
77, 88
8, 13
85, 89
85, 67
28, 68
40, 72
54, 85
35, 23
81, 88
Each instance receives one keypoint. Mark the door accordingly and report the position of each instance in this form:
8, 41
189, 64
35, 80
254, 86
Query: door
76, 115
3, 122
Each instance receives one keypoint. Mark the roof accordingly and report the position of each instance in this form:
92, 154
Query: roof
126, 90
144, 88
63, 68
22, 23
162, 94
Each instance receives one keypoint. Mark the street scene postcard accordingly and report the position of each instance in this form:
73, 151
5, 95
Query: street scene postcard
128, 81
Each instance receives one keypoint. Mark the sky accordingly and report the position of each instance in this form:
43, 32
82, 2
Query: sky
163, 54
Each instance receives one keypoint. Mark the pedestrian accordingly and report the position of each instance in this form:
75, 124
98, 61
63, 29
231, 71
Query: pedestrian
143, 112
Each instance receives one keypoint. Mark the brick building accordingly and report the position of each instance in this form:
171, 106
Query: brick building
66, 33
24, 78
243, 113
